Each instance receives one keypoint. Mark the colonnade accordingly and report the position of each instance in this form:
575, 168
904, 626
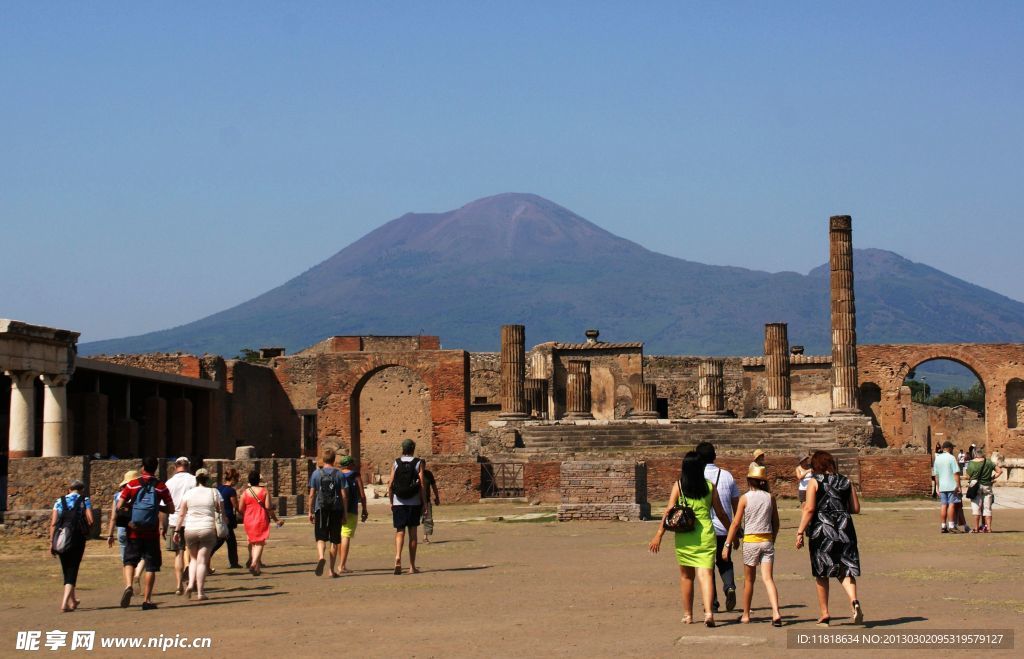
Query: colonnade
56, 434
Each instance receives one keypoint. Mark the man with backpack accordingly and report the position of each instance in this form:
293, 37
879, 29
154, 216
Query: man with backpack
407, 496
142, 502
329, 498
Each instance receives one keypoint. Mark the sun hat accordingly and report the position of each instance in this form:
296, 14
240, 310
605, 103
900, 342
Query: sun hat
202, 471
758, 453
129, 476
757, 472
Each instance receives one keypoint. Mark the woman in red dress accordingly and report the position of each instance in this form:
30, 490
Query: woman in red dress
256, 515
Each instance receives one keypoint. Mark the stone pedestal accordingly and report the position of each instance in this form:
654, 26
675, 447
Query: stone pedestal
22, 433
645, 399
711, 388
537, 397
56, 436
844, 317
513, 372
776, 370
577, 390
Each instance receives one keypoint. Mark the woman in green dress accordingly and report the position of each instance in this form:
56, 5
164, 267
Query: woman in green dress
695, 550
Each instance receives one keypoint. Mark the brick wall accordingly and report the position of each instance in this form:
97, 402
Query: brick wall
541, 480
895, 475
259, 412
599, 490
35, 483
458, 480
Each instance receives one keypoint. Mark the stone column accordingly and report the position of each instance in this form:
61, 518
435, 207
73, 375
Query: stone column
537, 397
711, 388
844, 317
577, 390
513, 372
645, 398
95, 436
154, 430
776, 370
56, 434
22, 435
180, 417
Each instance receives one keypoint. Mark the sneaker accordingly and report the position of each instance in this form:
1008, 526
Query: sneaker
945, 530
148, 606
730, 599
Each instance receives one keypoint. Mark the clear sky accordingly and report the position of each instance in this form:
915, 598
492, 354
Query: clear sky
163, 161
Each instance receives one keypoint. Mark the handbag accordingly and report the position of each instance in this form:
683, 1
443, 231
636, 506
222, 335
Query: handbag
680, 518
218, 517
62, 538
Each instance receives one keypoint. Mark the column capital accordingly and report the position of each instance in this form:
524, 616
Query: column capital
55, 379
22, 379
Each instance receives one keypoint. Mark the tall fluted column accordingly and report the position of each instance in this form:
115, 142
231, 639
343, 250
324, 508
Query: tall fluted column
513, 372
645, 398
537, 397
711, 388
776, 369
577, 390
22, 435
844, 317
56, 434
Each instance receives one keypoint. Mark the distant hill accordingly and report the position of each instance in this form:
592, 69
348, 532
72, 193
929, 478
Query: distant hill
519, 258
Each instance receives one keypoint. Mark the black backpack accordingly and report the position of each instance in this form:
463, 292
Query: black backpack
72, 526
407, 479
329, 489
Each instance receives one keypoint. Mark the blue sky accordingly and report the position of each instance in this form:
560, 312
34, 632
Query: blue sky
165, 161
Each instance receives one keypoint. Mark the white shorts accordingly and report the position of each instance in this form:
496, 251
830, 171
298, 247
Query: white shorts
982, 504
758, 552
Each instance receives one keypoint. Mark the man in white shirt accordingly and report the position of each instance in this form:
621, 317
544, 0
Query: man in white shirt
729, 495
178, 484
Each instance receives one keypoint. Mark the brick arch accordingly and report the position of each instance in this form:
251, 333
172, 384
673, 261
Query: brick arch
341, 376
995, 365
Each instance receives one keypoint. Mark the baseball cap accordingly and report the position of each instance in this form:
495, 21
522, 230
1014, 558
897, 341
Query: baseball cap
346, 460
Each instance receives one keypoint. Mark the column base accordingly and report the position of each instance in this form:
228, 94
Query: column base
21, 454
643, 415
779, 413
717, 414
579, 416
846, 411
513, 416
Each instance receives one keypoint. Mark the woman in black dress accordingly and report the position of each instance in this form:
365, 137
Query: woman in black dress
827, 523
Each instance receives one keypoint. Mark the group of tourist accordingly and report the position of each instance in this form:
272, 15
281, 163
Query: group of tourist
948, 475
708, 516
195, 516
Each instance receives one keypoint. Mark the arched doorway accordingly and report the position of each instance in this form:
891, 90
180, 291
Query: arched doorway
1015, 403
391, 404
947, 403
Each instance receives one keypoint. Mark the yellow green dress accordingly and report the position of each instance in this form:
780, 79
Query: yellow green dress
696, 548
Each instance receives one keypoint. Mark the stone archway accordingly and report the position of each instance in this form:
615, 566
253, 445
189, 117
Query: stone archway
389, 404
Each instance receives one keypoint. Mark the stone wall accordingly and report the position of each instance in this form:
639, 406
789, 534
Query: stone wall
676, 380
613, 375
175, 364
259, 412
35, 483
394, 405
541, 481
960, 425
458, 479
600, 490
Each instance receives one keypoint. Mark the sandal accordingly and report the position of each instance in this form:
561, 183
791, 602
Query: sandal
319, 570
686, 620
126, 597
776, 622
398, 568
858, 613
823, 622
709, 620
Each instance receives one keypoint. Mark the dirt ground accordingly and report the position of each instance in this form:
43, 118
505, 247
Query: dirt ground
508, 587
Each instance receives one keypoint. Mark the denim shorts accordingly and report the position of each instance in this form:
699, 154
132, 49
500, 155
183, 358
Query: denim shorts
946, 498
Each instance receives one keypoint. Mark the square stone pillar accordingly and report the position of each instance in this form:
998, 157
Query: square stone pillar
95, 435
154, 430
181, 426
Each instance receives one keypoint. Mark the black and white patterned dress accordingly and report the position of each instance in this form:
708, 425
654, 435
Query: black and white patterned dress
831, 537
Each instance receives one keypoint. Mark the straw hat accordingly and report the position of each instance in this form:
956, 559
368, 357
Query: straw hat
758, 453
758, 472
129, 476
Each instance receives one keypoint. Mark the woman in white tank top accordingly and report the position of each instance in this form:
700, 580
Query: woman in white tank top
759, 514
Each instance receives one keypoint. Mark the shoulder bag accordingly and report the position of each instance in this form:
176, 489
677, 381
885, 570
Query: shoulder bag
680, 518
218, 516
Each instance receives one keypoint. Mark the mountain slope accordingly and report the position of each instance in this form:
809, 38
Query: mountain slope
521, 258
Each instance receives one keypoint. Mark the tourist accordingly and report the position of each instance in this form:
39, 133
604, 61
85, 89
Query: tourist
729, 496
982, 473
406, 493
356, 496
695, 549
804, 473
148, 498
947, 480
935, 481
254, 507
178, 484
758, 512
197, 530
428, 508
961, 461
827, 524
122, 532
70, 522
759, 458
229, 495
328, 494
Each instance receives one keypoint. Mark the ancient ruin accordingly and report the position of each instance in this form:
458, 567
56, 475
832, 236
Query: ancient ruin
597, 426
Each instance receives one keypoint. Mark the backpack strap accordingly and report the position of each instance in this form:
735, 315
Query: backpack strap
63, 508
